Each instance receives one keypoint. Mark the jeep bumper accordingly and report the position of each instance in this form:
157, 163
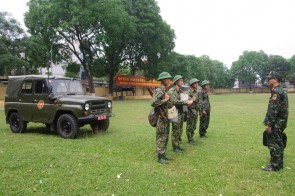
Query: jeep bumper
94, 117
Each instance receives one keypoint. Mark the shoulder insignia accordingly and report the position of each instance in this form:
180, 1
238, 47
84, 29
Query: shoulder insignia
274, 97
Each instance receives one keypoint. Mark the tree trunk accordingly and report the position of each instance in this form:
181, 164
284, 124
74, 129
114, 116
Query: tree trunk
111, 81
250, 87
89, 75
90, 80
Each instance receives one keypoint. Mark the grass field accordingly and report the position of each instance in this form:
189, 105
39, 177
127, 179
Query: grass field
122, 161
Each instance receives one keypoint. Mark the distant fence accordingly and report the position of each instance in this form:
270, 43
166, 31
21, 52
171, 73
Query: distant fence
135, 93
244, 90
2, 91
143, 93
238, 90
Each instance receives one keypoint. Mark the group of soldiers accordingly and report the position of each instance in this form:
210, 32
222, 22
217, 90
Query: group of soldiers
189, 105
197, 103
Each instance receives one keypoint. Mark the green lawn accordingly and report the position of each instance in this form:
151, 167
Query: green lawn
122, 161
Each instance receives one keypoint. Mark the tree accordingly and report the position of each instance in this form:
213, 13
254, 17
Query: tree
86, 30
223, 77
118, 30
250, 67
201, 68
149, 40
72, 70
181, 66
291, 75
261, 64
12, 39
207, 71
153, 39
37, 52
279, 64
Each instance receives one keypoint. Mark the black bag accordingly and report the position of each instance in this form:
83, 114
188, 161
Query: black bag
264, 140
153, 117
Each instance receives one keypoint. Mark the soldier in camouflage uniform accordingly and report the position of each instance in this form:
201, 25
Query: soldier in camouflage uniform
176, 100
193, 110
204, 108
161, 103
276, 121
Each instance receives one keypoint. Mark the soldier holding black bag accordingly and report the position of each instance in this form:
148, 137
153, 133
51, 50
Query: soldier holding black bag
276, 121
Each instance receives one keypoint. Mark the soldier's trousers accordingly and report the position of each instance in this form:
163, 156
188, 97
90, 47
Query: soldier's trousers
204, 123
177, 131
191, 125
162, 135
276, 148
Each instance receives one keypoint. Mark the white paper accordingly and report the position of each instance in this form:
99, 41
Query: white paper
183, 96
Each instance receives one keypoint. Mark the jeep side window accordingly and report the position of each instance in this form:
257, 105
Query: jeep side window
40, 87
27, 87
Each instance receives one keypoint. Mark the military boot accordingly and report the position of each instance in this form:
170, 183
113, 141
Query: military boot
271, 168
162, 160
181, 149
167, 158
177, 150
192, 141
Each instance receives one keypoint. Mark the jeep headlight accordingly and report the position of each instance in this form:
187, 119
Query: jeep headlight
87, 107
109, 104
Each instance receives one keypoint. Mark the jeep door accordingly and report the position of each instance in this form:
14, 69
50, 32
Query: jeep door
26, 100
43, 109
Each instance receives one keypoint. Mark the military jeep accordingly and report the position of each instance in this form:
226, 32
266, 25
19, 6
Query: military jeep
59, 103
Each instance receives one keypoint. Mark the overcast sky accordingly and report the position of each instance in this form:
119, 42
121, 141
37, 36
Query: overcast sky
224, 29
219, 29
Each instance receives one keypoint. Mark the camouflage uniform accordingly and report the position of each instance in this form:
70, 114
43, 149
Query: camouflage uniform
162, 128
204, 105
192, 115
276, 118
177, 127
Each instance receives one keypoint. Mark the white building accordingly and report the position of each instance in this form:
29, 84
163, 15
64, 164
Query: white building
54, 70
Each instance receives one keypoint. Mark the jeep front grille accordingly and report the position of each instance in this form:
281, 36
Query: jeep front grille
98, 107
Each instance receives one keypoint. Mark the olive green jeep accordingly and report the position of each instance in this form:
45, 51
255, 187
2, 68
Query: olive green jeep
59, 103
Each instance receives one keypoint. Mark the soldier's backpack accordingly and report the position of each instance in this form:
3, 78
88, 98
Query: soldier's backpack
153, 117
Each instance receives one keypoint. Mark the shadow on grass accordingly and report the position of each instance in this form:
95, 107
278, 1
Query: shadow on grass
39, 130
83, 133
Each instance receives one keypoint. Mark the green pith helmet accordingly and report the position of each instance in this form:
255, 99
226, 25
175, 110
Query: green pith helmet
274, 75
176, 78
193, 80
164, 75
205, 82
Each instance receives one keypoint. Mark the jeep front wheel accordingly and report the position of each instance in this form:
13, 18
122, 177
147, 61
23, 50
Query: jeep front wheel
102, 125
67, 126
17, 125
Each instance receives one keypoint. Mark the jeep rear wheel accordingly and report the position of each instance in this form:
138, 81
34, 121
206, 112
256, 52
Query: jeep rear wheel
99, 126
67, 126
17, 125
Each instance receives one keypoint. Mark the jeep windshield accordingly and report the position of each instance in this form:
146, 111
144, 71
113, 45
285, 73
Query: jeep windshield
66, 87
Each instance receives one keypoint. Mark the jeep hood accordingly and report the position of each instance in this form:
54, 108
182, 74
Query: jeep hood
80, 98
